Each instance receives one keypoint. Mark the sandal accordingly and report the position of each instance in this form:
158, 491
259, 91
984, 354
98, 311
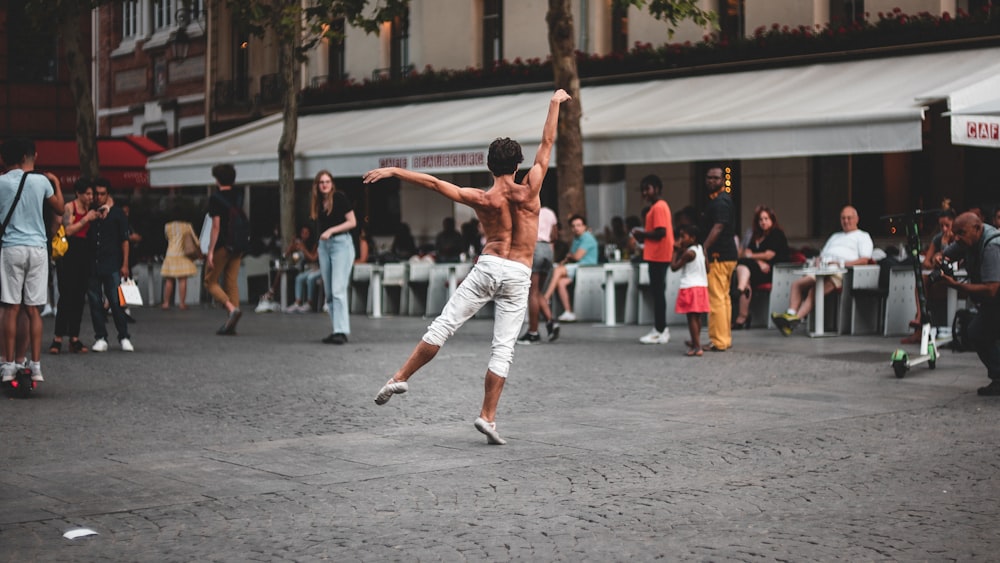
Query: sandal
77, 347
55, 348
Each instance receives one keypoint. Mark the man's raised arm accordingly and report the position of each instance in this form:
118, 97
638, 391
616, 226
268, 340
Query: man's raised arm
541, 165
468, 196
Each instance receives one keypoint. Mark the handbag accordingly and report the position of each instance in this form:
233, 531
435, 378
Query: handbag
128, 294
191, 248
59, 243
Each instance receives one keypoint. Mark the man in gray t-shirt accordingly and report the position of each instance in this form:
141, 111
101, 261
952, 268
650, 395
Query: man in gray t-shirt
979, 245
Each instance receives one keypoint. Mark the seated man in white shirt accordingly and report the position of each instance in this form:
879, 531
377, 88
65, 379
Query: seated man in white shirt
851, 247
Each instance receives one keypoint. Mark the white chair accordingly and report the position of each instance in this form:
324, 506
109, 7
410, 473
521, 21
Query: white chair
418, 277
901, 303
360, 281
867, 299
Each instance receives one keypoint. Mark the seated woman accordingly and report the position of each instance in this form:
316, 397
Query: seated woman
303, 251
767, 246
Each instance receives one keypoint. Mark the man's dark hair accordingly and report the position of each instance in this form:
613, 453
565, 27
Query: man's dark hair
225, 174
580, 217
102, 182
14, 151
652, 180
82, 184
504, 157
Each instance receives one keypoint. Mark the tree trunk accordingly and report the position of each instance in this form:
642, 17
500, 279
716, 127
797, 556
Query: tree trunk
286, 145
79, 84
569, 144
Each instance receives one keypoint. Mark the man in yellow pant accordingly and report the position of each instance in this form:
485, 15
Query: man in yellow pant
721, 255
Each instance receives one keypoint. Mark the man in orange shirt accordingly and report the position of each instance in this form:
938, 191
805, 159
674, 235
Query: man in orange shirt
658, 252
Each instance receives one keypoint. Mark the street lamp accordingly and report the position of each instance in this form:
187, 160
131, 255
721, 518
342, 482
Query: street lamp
180, 44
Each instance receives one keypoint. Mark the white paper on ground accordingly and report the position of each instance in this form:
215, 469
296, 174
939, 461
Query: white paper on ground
79, 533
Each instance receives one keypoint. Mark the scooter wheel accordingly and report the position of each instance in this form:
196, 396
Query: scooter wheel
900, 369
931, 364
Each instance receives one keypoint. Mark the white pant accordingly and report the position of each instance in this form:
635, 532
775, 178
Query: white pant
503, 281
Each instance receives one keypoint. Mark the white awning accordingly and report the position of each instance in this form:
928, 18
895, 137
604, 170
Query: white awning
868, 106
975, 114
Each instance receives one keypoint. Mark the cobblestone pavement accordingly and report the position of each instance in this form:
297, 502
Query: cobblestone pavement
268, 447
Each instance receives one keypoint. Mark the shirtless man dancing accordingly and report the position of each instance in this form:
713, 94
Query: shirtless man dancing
508, 212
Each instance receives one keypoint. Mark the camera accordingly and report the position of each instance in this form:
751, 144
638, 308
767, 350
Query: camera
945, 268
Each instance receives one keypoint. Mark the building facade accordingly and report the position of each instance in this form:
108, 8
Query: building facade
806, 190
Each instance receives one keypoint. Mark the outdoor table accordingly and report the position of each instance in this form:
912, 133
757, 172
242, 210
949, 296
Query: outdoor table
821, 273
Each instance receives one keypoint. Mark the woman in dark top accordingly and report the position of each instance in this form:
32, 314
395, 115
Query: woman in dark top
767, 247
335, 219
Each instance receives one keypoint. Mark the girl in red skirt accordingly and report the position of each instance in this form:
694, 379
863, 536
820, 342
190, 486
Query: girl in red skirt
692, 299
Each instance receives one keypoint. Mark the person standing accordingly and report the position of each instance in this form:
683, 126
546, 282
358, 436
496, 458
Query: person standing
721, 254
73, 269
24, 262
541, 267
108, 234
334, 216
177, 267
508, 213
692, 298
979, 244
223, 258
658, 251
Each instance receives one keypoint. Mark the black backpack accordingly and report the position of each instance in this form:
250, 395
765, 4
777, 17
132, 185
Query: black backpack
238, 233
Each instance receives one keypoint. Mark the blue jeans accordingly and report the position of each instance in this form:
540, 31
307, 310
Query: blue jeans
305, 285
336, 258
106, 285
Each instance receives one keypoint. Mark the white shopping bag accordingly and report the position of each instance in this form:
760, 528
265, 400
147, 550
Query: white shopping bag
206, 234
128, 294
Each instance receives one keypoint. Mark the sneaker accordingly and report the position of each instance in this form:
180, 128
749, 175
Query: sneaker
335, 338
36, 371
553, 330
567, 317
529, 338
991, 390
234, 317
392, 387
490, 429
100, 346
786, 322
9, 370
264, 306
326, 308
127, 345
48, 311
656, 337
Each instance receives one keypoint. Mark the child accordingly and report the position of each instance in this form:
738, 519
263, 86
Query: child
693, 296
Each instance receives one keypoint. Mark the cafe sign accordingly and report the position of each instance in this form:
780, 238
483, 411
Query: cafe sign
976, 130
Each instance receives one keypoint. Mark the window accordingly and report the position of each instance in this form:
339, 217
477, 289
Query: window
163, 14
399, 46
732, 19
336, 66
130, 19
492, 32
619, 28
847, 11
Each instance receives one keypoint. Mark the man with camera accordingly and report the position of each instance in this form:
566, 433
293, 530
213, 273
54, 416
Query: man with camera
979, 245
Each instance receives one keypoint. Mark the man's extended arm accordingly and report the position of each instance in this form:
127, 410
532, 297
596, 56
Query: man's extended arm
544, 153
468, 196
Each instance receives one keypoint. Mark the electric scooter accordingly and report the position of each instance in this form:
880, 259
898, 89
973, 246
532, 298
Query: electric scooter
901, 361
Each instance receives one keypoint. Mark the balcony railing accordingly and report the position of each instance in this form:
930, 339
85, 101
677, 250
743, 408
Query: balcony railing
232, 93
380, 74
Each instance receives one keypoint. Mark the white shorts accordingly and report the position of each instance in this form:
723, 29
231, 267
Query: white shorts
25, 275
503, 281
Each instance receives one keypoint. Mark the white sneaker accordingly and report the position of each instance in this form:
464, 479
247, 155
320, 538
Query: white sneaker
127, 345
264, 306
48, 311
100, 346
656, 337
326, 308
9, 369
36, 371
567, 317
